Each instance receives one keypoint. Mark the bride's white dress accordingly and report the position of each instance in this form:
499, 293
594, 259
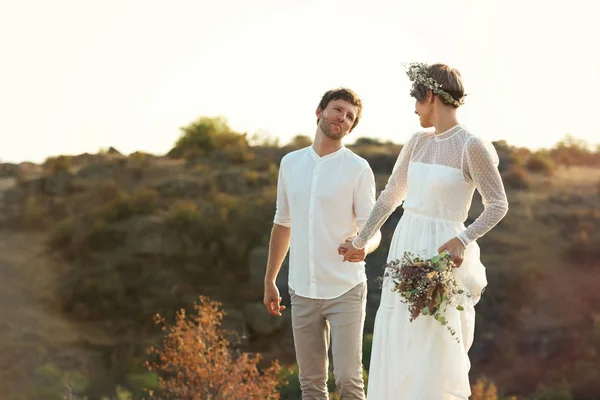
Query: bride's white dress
435, 176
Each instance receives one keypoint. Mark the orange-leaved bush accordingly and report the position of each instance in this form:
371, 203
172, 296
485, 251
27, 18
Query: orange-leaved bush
486, 390
195, 361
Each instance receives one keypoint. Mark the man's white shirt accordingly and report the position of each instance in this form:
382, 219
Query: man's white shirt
323, 200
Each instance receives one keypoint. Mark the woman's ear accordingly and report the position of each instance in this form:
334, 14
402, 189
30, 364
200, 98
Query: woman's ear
430, 96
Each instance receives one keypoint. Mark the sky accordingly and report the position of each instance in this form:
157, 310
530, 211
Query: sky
82, 75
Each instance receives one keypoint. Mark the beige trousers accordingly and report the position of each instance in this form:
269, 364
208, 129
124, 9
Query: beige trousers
314, 322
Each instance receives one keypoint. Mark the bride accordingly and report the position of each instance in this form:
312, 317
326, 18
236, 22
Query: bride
435, 175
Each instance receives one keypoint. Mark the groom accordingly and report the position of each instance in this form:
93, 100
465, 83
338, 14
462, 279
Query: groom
325, 193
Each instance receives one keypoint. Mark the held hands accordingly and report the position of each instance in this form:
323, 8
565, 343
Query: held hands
272, 300
455, 248
351, 253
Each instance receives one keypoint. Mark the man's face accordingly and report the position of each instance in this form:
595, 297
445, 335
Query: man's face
337, 119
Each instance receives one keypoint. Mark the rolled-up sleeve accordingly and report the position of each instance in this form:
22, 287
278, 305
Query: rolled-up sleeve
282, 212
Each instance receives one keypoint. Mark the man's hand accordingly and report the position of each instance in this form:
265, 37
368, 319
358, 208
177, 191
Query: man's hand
272, 300
351, 253
455, 248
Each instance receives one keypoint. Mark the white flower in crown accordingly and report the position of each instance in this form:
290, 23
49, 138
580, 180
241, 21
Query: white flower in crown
417, 73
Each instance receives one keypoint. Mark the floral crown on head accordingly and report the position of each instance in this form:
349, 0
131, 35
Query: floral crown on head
417, 73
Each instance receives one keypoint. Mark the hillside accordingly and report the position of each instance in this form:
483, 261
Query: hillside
92, 246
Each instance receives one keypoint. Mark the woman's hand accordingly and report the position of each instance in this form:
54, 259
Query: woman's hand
455, 248
350, 252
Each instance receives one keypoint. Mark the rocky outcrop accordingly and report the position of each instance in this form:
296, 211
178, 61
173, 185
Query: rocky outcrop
259, 321
257, 264
58, 184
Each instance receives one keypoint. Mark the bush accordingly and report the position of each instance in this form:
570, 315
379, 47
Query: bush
8, 170
138, 159
572, 151
53, 165
517, 178
483, 390
205, 135
584, 252
139, 383
194, 361
184, 215
144, 201
52, 383
31, 215
62, 235
367, 141
546, 393
298, 142
138, 162
380, 162
540, 163
125, 206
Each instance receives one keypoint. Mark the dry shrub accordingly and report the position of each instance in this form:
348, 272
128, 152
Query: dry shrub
195, 361
517, 178
137, 163
52, 165
540, 163
485, 390
184, 215
298, 142
62, 234
31, 215
124, 206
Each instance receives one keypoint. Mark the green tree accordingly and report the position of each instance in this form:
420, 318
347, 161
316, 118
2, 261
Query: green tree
205, 135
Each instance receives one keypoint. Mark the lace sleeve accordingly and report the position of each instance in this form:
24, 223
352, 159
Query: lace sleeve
480, 165
390, 198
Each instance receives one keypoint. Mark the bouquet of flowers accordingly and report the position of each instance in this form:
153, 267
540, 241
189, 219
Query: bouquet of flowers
428, 286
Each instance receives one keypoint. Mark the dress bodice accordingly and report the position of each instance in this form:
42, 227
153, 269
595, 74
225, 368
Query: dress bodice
436, 175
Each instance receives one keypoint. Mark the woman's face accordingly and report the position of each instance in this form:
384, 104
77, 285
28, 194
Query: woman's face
424, 110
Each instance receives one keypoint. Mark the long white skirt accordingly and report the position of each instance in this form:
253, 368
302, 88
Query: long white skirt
421, 360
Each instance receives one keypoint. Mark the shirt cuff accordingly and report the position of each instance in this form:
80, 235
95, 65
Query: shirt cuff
286, 223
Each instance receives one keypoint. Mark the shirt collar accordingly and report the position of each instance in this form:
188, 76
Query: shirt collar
328, 156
